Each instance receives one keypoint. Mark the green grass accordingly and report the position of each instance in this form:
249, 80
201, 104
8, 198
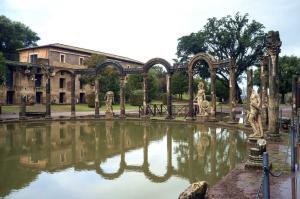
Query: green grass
61, 108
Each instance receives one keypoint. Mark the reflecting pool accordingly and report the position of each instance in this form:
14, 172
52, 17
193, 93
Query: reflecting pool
113, 159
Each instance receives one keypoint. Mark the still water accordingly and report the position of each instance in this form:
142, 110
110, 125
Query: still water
112, 159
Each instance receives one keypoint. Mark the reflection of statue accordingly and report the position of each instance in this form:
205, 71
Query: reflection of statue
203, 141
202, 103
109, 96
254, 115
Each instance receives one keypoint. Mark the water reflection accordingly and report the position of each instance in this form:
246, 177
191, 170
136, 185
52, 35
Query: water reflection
193, 152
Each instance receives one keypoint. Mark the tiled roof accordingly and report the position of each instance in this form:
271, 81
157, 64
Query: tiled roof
73, 48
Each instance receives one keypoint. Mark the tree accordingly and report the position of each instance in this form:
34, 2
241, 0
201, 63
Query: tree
179, 83
288, 66
110, 81
232, 37
15, 35
94, 61
2, 69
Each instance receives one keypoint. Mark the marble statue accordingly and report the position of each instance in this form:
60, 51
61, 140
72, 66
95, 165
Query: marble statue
109, 97
202, 103
254, 116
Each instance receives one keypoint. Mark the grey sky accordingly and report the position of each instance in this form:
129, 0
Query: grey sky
145, 29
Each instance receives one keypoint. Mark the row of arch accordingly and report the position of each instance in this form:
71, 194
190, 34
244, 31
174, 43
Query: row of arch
210, 60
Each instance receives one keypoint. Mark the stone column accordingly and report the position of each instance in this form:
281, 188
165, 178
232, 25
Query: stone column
48, 98
273, 44
122, 97
232, 91
213, 76
191, 100
264, 78
146, 99
169, 96
249, 91
73, 97
22, 107
145, 148
97, 113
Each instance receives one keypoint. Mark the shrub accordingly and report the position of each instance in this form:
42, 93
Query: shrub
136, 98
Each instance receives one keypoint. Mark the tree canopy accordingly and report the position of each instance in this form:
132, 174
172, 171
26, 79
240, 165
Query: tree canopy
15, 35
234, 37
2, 69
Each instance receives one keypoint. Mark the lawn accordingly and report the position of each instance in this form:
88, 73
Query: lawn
62, 108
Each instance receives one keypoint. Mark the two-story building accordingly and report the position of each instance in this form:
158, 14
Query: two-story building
63, 58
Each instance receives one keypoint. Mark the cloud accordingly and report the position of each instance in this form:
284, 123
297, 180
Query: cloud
144, 29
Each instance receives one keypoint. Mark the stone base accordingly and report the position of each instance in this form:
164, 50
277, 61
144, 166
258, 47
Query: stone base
252, 140
202, 118
232, 122
169, 117
145, 117
189, 118
196, 190
122, 116
275, 137
212, 119
109, 115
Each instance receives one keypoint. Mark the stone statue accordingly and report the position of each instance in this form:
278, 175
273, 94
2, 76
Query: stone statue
109, 97
202, 103
254, 116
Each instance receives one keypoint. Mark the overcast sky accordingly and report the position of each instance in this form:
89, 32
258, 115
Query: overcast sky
142, 29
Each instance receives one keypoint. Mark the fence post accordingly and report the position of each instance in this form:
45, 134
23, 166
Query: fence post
292, 148
266, 182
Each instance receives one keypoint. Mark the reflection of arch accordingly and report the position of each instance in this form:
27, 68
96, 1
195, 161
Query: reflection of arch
155, 61
111, 176
209, 59
117, 65
158, 179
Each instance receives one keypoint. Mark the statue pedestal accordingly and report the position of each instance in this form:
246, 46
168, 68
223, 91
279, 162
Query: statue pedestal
109, 115
253, 140
255, 159
202, 118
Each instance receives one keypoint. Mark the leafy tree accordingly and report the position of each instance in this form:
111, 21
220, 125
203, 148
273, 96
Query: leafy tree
15, 35
94, 60
288, 66
135, 82
110, 81
179, 83
2, 69
232, 37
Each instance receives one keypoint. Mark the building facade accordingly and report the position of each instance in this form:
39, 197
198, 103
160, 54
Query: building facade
65, 59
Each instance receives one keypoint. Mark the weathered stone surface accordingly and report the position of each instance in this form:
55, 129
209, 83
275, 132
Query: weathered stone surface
196, 190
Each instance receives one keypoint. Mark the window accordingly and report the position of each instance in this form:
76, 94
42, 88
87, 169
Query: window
81, 60
61, 82
62, 58
33, 58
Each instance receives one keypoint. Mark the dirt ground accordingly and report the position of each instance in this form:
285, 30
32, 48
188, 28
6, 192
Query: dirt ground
245, 183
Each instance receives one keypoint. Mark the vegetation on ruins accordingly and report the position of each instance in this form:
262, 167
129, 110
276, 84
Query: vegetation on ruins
15, 35
288, 66
234, 37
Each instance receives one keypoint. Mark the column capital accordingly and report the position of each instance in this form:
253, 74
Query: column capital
273, 43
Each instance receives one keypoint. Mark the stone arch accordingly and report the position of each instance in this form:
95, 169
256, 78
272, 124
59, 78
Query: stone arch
117, 65
209, 59
155, 61
65, 70
212, 62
